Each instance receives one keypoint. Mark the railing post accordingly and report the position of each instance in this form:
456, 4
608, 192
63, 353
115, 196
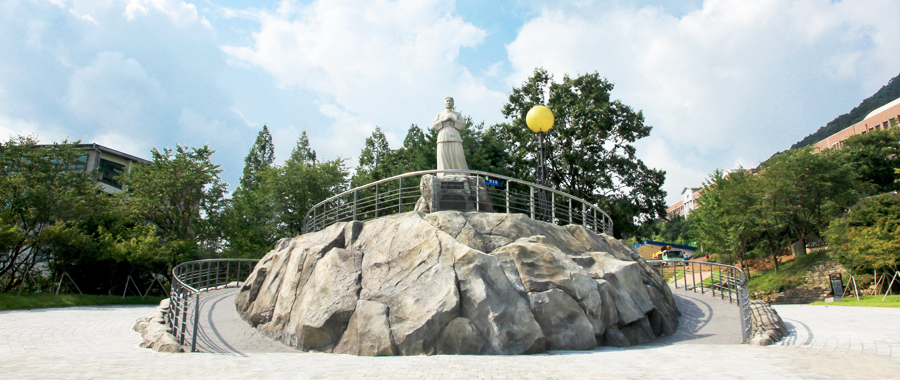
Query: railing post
507, 196
400, 195
196, 323
477, 194
355, 200
553, 207
531, 200
583, 215
702, 290
184, 307
731, 286
435, 205
721, 295
376, 200
570, 211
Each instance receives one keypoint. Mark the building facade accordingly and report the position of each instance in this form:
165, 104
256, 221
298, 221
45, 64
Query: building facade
109, 164
688, 203
884, 117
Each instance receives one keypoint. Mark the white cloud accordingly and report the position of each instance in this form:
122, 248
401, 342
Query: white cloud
386, 63
732, 79
121, 73
115, 93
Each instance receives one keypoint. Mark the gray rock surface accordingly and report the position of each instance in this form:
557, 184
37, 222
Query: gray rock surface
368, 332
455, 283
460, 337
768, 327
155, 334
562, 320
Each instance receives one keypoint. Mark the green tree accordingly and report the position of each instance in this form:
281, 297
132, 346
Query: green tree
261, 157
249, 223
874, 156
720, 223
418, 151
868, 237
180, 192
812, 188
300, 183
100, 250
589, 150
676, 230
303, 152
376, 161
485, 149
37, 191
790, 198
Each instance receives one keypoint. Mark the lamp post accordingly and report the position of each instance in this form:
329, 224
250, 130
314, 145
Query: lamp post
539, 120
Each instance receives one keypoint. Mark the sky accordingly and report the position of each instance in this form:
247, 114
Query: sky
723, 83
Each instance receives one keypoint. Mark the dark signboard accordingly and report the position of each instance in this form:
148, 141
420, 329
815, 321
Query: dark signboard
837, 284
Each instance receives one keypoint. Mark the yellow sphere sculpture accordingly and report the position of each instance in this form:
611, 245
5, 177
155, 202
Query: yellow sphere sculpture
539, 119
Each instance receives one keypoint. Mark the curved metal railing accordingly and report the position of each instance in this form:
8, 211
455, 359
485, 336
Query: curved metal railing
704, 277
191, 278
504, 194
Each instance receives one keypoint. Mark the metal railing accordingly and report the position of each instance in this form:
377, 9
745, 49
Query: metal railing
191, 278
719, 280
401, 193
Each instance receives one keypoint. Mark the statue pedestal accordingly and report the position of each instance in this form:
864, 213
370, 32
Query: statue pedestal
453, 192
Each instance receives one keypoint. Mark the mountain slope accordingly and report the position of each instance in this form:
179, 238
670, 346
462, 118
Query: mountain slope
885, 95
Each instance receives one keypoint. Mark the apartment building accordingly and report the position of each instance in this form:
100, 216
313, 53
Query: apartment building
884, 117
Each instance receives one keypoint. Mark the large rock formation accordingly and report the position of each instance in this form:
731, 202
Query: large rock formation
455, 283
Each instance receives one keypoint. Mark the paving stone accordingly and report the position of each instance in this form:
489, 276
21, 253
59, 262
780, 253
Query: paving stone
98, 343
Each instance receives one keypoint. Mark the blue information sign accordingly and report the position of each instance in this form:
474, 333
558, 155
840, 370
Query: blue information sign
493, 182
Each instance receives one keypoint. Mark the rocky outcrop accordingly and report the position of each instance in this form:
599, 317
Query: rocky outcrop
768, 327
455, 283
155, 333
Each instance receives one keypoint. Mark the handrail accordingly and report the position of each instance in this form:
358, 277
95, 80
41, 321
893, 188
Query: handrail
191, 278
349, 206
726, 279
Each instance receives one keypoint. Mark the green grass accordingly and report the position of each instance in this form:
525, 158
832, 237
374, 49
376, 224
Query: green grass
870, 301
790, 274
9, 301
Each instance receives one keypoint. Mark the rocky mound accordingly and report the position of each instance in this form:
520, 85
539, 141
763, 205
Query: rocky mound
455, 283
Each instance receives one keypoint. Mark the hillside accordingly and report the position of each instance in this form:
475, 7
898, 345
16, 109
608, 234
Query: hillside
885, 95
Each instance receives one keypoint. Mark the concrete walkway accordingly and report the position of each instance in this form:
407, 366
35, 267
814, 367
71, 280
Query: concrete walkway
97, 343
223, 332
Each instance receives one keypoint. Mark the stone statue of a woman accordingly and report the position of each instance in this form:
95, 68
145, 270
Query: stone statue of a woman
448, 124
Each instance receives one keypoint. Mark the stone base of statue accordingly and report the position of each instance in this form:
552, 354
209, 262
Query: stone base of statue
453, 193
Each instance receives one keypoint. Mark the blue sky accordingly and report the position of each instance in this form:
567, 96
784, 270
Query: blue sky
723, 82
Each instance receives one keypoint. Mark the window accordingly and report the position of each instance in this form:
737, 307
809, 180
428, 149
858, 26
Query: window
109, 172
79, 164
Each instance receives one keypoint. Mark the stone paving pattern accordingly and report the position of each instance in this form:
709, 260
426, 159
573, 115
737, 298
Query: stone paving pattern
97, 343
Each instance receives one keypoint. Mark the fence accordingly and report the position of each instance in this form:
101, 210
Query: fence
192, 278
504, 194
719, 280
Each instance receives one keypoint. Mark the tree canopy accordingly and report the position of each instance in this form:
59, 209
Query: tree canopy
38, 189
589, 150
868, 237
180, 192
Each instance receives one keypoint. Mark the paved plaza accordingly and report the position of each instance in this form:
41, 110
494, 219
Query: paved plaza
98, 343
